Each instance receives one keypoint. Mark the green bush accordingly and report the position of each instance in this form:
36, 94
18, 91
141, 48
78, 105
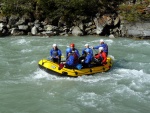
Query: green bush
134, 12
54, 9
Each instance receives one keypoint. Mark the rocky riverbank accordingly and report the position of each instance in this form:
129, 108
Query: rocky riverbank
107, 25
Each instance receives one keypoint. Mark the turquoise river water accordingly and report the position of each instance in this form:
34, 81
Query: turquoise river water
24, 88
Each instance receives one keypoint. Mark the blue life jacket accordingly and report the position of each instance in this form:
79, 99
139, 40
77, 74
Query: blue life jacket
87, 49
54, 53
68, 50
71, 60
88, 58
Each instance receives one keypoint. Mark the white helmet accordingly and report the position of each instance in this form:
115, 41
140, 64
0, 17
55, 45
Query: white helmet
101, 48
54, 45
86, 45
101, 40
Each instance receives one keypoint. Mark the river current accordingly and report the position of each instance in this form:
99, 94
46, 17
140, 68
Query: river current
24, 88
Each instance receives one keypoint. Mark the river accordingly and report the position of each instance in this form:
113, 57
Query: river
24, 88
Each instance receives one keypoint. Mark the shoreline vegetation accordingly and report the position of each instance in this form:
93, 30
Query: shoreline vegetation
113, 18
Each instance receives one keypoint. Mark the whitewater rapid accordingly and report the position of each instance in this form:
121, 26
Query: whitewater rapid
25, 88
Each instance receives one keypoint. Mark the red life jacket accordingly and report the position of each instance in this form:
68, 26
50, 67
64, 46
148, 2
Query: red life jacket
101, 55
75, 57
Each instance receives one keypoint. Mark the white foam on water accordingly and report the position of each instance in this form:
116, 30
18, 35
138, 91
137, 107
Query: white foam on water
132, 73
20, 42
122, 86
97, 101
32, 62
87, 79
108, 41
26, 50
88, 99
137, 44
40, 74
131, 83
146, 43
138, 76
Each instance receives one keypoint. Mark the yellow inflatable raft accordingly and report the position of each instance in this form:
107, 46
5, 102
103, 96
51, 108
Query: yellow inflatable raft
54, 68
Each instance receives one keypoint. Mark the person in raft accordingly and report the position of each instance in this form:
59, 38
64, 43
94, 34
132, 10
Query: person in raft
102, 44
55, 54
88, 59
73, 49
101, 57
84, 52
72, 59
87, 48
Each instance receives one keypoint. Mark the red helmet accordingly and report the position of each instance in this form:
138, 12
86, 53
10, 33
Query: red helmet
72, 45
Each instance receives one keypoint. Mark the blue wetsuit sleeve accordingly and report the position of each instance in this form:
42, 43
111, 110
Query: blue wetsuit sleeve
96, 47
